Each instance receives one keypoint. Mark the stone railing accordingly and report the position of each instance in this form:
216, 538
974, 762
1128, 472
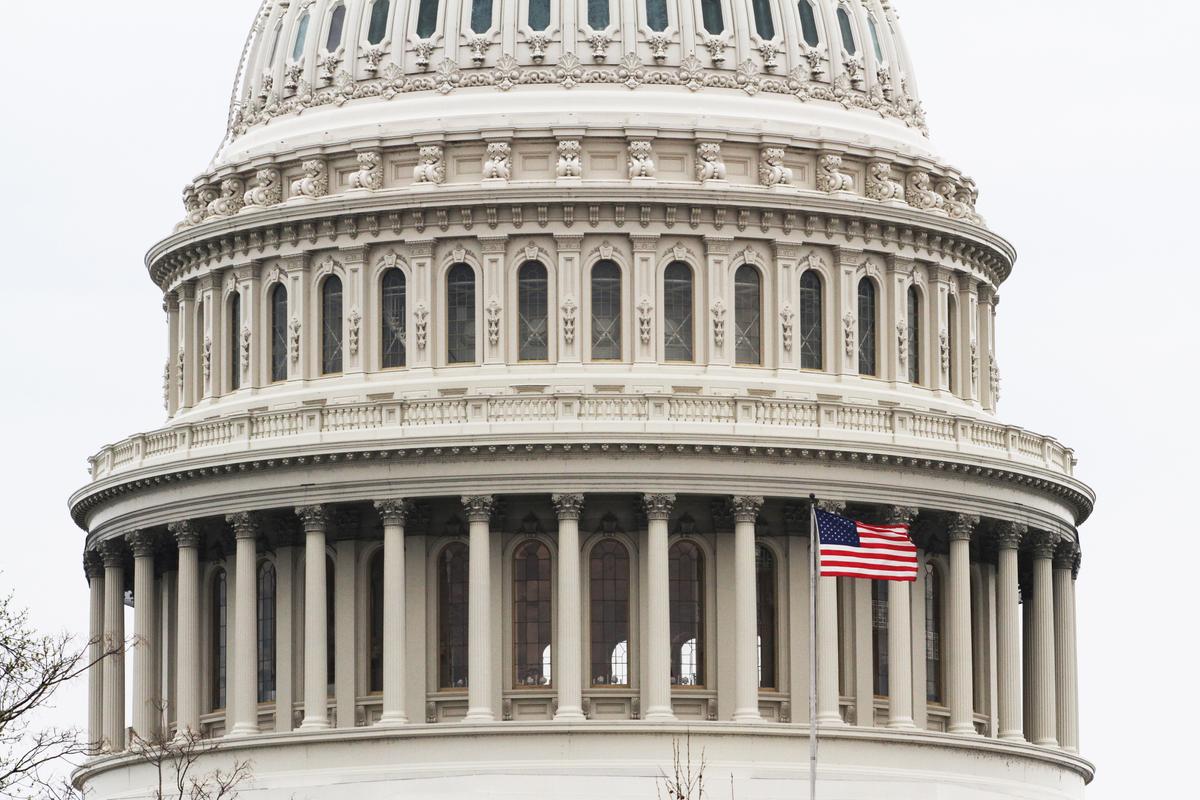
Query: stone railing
453, 420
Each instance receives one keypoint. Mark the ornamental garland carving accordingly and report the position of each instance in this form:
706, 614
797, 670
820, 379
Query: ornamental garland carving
230, 201
431, 165
266, 191
974, 363
538, 41
421, 320
718, 319
787, 318
880, 183
355, 322
944, 348
918, 193
497, 164
294, 339
493, 321
902, 344
246, 334
166, 385
709, 164
715, 45
370, 172
771, 171
848, 333
830, 178
645, 311
478, 45
569, 163
207, 357
641, 159
994, 378
315, 182
599, 42
569, 309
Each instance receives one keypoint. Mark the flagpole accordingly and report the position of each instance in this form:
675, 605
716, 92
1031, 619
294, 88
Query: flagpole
814, 542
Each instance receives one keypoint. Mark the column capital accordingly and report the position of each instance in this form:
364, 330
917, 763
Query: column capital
1043, 543
1066, 555
658, 506
93, 565
795, 518
479, 507
832, 506
568, 506
186, 291
901, 515
314, 519
746, 507
112, 552
244, 523
962, 526
643, 242
1009, 535
393, 511
185, 532
142, 543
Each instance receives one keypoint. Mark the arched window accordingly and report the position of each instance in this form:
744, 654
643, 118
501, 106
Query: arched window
714, 19
380, 16
539, 14
533, 339
606, 311
597, 14
266, 632
393, 304
879, 59
847, 30
453, 588
276, 35
427, 18
914, 336
686, 592
867, 327
747, 315
879, 637
656, 15
933, 635
766, 581
279, 333
812, 339
608, 587
375, 612
951, 335
677, 312
301, 35
331, 325
763, 23
235, 341
337, 23
330, 624
531, 614
808, 23
481, 16
460, 314
218, 651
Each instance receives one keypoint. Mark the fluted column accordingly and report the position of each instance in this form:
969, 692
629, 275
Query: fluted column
113, 553
93, 568
1008, 631
828, 711
187, 649
899, 622
479, 609
962, 712
145, 673
315, 519
1066, 690
1043, 723
745, 602
568, 667
393, 514
245, 625
657, 643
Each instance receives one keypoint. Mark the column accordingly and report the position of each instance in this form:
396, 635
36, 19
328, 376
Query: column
962, 713
187, 680
479, 610
173, 377
185, 357
900, 698
656, 643
1008, 631
745, 601
93, 568
245, 625
145, 675
828, 713
316, 674
393, 514
1043, 723
568, 668
1066, 690
113, 553
285, 577
938, 336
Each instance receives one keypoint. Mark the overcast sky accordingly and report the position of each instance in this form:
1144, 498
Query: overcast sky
1075, 117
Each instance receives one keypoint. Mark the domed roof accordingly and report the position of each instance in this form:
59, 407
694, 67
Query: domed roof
326, 70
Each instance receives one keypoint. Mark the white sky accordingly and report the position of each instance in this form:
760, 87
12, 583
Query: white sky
1073, 115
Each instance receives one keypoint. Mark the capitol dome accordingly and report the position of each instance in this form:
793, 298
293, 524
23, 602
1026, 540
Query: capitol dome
507, 340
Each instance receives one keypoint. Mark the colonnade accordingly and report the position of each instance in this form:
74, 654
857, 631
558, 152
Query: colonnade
1048, 657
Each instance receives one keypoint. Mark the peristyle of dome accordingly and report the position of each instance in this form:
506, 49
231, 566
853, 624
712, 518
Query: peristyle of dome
506, 342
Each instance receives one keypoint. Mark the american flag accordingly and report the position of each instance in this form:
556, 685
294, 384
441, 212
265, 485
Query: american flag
853, 549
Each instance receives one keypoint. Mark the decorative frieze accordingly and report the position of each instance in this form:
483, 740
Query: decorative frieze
431, 165
370, 172
497, 164
315, 183
641, 159
771, 170
709, 164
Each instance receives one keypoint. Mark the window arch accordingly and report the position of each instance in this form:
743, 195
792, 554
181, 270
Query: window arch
678, 291
766, 585
279, 333
608, 589
914, 336
331, 325
481, 16
847, 30
393, 303
951, 336
879, 638
686, 591
812, 337
606, 311
597, 14
531, 616
301, 36
539, 14
427, 18
337, 24
235, 341
713, 16
657, 18
218, 641
533, 312
808, 23
380, 16
460, 314
747, 315
934, 679
453, 595
266, 632
375, 621
867, 328
276, 36
764, 24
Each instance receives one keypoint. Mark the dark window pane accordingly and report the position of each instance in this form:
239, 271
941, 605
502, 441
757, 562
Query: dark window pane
714, 22
847, 30
766, 581
656, 15
460, 314
808, 23
867, 340
608, 586
393, 306
933, 636
337, 21
375, 645
677, 312
331, 325
266, 633
279, 333
220, 631
377, 31
453, 589
879, 637
914, 336
811, 321
531, 615
763, 23
747, 315
539, 14
533, 313
301, 35
606, 311
427, 18
597, 14
686, 588
235, 341
481, 15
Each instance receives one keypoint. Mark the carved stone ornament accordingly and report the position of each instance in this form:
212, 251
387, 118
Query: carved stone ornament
141, 543
424, 50
185, 532
853, 67
974, 363
994, 378
599, 42
569, 310
902, 344
315, 182
166, 385
658, 506
421, 321
787, 319
314, 519
918, 193
354, 318
944, 349
658, 42
848, 333
478, 45
830, 178
771, 171
901, 515
568, 506
231, 199
880, 183
962, 526
479, 507
497, 164
392, 512
294, 326
431, 165
816, 58
493, 321
370, 172
641, 159
266, 191
770, 55
327, 64
645, 311
715, 45
569, 163
538, 41
244, 523
718, 319
746, 508
1009, 535
246, 334
709, 164
1042, 543
207, 358
950, 202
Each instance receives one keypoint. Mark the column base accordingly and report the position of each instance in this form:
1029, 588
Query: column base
1012, 736
243, 729
1050, 743
830, 721
963, 730
314, 725
569, 714
904, 724
392, 720
659, 714
479, 715
747, 715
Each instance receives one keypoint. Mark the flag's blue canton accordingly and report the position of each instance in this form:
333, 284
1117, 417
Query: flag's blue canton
834, 529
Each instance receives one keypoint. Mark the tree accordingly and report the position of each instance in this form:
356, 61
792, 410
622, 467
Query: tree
174, 759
